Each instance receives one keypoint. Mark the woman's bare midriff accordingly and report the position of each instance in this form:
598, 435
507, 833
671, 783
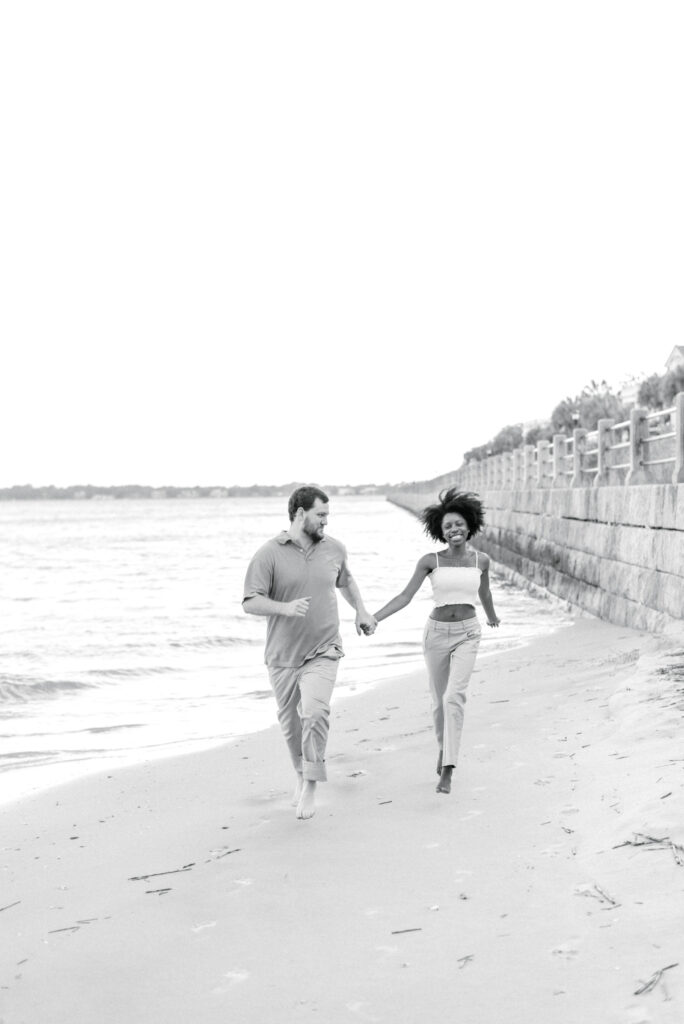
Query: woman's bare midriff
452, 612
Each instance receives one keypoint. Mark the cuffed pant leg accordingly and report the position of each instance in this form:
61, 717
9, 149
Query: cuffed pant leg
285, 685
463, 657
316, 684
437, 654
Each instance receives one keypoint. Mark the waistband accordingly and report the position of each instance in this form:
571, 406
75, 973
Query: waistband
459, 626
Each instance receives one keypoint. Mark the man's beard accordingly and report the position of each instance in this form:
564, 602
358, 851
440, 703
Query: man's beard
312, 532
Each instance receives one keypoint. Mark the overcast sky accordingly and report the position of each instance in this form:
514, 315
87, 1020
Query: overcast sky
340, 242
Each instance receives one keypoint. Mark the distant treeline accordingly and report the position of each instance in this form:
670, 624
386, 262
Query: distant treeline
86, 492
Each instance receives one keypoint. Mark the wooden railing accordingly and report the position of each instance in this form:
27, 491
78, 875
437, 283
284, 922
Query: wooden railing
647, 448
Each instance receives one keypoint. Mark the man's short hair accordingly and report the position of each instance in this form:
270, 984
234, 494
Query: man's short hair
305, 497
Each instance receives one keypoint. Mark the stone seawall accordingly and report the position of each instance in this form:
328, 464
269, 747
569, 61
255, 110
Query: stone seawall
617, 552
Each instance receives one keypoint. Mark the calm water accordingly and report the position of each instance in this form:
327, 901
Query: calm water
122, 635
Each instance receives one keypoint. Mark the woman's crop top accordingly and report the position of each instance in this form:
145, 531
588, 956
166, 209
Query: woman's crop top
455, 584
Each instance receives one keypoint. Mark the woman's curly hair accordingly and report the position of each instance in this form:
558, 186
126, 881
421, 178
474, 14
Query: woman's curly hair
465, 503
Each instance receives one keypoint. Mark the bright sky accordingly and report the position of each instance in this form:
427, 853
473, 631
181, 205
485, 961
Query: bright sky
341, 242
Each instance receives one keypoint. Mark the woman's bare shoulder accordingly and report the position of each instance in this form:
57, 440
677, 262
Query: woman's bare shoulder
483, 560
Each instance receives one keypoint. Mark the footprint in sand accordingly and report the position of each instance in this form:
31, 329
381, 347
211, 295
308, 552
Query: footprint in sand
471, 814
567, 951
361, 1010
233, 978
552, 851
385, 951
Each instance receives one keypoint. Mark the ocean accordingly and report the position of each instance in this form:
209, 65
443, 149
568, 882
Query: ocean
122, 635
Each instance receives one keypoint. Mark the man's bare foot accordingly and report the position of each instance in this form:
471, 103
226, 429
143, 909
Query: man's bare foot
439, 763
444, 784
296, 796
305, 807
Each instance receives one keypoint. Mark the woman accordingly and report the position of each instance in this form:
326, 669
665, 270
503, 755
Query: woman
459, 575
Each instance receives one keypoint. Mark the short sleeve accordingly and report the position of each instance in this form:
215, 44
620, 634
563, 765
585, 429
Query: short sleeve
344, 576
259, 576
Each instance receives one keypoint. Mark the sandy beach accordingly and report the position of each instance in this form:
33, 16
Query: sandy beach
547, 887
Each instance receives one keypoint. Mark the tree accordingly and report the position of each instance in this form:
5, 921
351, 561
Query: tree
649, 394
672, 384
542, 432
596, 401
507, 439
565, 416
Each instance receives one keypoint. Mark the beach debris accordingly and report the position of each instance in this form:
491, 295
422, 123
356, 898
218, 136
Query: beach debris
403, 931
359, 771
158, 892
71, 928
463, 960
652, 842
9, 905
380, 804
435, 906
218, 854
597, 893
506, 701
463, 896
156, 874
648, 986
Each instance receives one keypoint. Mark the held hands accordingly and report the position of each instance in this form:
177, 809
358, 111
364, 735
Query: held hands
366, 624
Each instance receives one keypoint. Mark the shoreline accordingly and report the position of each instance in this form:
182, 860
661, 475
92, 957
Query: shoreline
185, 888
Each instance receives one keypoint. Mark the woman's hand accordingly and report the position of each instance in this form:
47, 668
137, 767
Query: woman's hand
493, 621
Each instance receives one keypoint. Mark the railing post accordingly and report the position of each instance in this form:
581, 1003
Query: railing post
543, 448
636, 473
678, 473
579, 437
507, 470
560, 451
529, 474
603, 444
518, 471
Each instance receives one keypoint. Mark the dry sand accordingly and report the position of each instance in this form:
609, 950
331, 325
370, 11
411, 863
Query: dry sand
187, 891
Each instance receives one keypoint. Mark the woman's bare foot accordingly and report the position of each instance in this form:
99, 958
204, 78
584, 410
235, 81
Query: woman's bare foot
444, 784
439, 763
305, 807
296, 796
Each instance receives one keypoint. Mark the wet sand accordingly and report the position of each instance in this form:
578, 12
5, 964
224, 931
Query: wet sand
546, 887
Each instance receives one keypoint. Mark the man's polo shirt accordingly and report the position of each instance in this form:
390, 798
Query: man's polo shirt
284, 571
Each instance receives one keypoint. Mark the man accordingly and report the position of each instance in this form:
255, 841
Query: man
292, 580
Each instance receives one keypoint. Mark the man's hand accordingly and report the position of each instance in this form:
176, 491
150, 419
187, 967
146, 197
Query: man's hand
494, 621
366, 624
296, 609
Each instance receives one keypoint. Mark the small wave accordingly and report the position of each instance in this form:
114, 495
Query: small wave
18, 688
217, 641
123, 673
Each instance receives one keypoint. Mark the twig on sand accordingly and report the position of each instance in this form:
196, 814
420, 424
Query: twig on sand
647, 986
159, 892
665, 843
463, 960
598, 893
402, 931
9, 905
156, 874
